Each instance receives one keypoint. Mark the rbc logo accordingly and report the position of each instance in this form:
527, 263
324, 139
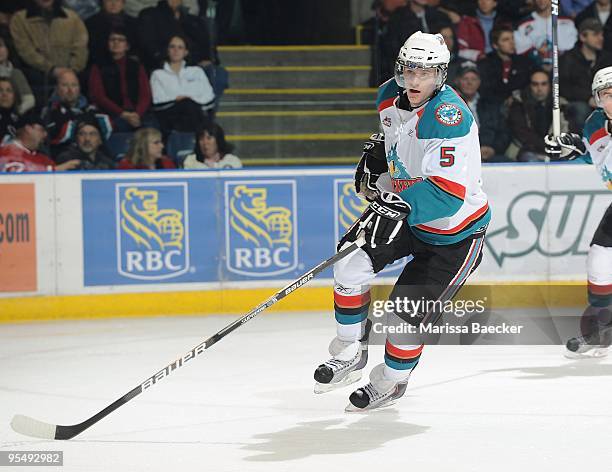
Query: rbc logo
261, 227
152, 230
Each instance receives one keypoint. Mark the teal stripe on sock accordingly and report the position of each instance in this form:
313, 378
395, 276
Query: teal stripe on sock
400, 365
351, 319
600, 301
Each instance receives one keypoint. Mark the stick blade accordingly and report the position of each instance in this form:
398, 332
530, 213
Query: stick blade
34, 428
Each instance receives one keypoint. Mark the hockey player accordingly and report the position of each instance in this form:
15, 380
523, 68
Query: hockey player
595, 147
423, 179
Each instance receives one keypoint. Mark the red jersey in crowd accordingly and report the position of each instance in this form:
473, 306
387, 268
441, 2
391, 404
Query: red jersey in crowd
15, 157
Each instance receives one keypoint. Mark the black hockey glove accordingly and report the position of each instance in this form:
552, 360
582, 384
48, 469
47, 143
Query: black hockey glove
383, 219
373, 163
566, 147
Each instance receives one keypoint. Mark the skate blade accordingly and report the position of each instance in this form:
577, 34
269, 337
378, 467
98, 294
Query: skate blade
349, 379
596, 353
350, 408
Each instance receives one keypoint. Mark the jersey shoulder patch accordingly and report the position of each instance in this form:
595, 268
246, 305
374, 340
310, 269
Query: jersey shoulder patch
446, 116
386, 94
593, 125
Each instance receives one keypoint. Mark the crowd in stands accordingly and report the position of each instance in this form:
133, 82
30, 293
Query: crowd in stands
109, 84
104, 84
501, 62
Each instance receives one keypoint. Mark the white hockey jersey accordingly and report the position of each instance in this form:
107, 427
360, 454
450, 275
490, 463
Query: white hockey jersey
433, 154
599, 145
535, 32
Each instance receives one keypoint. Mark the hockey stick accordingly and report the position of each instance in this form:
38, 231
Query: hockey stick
556, 108
39, 429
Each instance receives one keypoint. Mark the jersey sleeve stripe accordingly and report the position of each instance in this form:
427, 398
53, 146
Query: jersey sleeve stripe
448, 186
469, 220
386, 103
600, 133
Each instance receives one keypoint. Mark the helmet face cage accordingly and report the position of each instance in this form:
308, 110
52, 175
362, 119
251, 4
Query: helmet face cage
601, 87
400, 66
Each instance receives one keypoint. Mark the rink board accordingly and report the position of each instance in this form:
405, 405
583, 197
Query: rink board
222, 241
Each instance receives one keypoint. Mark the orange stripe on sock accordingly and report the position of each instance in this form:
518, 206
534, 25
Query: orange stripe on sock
402, 353
600, 289
352, 301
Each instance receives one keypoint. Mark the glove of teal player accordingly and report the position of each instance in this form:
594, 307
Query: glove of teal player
383, 219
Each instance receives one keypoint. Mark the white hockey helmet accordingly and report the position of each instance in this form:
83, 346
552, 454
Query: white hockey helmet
601, 81
423, 51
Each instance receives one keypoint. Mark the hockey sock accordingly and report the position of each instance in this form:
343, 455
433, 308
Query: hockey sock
600, 295
400, 360
351, 311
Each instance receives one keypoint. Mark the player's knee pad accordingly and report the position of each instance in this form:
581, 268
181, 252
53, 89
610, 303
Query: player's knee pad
599, 265
355, 269
599, 271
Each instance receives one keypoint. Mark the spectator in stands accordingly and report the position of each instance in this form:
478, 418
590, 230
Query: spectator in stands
212, 151
448, 33
7, 10
572, 8
134, 7
66, 107
87, 149
83, 8
49, 39
577, 68
99, 26
8, 109
181, 94
429, 17
22, 155
404, 21
503, 71
600, 9
169, 18
474, 32
533, 36
146, 152
530, 118
119, 86
375, 29
24, 96
492, 129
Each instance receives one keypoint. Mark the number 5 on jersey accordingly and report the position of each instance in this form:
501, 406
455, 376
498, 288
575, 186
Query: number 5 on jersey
447, 157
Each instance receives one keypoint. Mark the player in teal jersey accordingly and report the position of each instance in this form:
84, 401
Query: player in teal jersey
422, 177
594, 147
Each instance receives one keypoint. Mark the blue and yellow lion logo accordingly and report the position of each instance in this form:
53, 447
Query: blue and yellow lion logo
147, 225
255, 221
350, 206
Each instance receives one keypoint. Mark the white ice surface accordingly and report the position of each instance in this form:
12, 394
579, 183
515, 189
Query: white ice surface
247, 403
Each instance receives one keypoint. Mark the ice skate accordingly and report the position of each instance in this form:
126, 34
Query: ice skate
380, 392
344, 368
588, 347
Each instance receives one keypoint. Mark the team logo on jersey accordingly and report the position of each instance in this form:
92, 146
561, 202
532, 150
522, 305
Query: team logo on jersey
397, 170
387, 122
449, 114
261, 227
399, 185
152, 230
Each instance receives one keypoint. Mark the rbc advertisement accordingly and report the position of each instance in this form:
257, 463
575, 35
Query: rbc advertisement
147, 231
